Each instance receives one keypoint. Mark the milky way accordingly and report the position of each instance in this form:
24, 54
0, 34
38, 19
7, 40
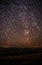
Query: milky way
21, 23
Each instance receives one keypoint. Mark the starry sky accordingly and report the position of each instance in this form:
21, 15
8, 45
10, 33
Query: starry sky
21, 23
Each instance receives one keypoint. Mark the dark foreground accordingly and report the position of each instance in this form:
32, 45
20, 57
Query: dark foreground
20, 56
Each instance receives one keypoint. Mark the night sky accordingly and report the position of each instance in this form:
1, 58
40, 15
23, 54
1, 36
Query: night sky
21, 23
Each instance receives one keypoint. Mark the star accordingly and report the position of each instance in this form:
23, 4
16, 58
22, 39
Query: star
21, 23
26, 32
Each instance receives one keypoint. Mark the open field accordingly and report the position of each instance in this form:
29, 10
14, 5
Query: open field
20, 55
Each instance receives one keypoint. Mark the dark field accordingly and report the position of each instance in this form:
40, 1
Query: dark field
20, 56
